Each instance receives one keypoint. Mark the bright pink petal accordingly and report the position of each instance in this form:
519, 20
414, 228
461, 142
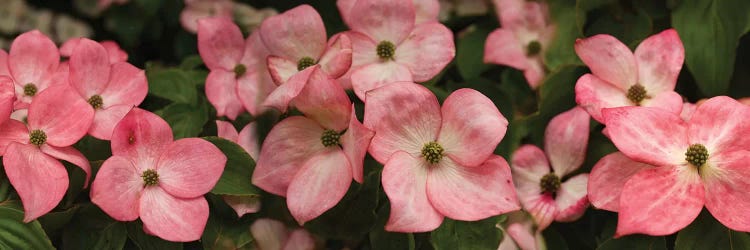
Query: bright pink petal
726, 186
7, 97
472, 193
117, 189
405, 183
172, 218
289, 145
720, 124
105, 121
281, 96
319, 185
72, 155
355, 142
503, 47
648, 135
4, 71
190, 167
116, 54
426, 51
608, 59
61, 114
565, 140
338, 57
608, 178
89, 68
668, 100
472, 127
404, 116
268, 233
383, 20
226, 130
33, 58
12, 131
300, 240
248, 139
660, 201
295, 34
221, 91
40, 180
141, 136
660, 59
127, 86
220, 43
572, 198
281, 69
324, 101
376, 75
243, 204
593, 94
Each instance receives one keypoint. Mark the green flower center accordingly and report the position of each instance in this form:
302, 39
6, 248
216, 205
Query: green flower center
533, 48
433, 152
386, 50
304, 63
697, 155
550, 183
637, 93
37, 137
96, 101
239, 70
330, 138
29, 89
150, 177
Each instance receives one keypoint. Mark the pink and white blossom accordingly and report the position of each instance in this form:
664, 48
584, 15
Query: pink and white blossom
33, 63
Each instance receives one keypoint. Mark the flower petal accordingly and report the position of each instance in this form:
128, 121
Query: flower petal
363, 53
72, 155
572, 198
281, 69
405, 183
220, 43
300, 240
7, 97
243, 204
355, 142
40, 180
542, 208
426, 10
141, 136
404, 116
521, 236
660, 59
12, 131
338, 56
105, 121
383, 20
89, 68
502, 47
226, 130
62, 114
33, 58
281, 96
566, 139
529, 166
669, 100
726, 189
221, 91
248, 139
427, 50
375, 75
268, 233
117, 189
345, 8
253, 89
649, 135
720, 124
608, 59
127, 86
190, 167
324, 101
116, 54
608, 178
172, 218
319, 185
4, 71
594, 94
295, 34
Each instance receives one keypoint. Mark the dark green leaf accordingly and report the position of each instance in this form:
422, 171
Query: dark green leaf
15, 234
148, 242
560, 50
186, 120
236, 177
464, 235
634, 242
706, 233
91, 228
54, 221
383, 240
470, 53
226, 234
171, 84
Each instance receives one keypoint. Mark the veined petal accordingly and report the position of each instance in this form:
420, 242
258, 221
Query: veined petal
338, 56
345, 8
426, 51
660, 59
221, 91
375, 75
106, 119
594, 94
720, 124
608, 178
542, 208
319, 185
268, 233
127, 86
572, 199
117, 189
566, 139
248, 139
253, 89
726, 185
364, 52
40, 180
62, 114
220, 43
72, 155
295, 34
172, 218
389, 20
521, 236
355, 142
503, 47
89, 68
141, 136
12, 131
190, 167
405, 183
608, 59
324, 101
33, 58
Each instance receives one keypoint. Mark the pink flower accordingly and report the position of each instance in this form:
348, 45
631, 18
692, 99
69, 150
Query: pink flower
32, 62
312, 159
699, 162
4, 71
7, 98
114, 52
425, 10
239, 79
197, 9
112, 90
438, 162
296, 39
621, 78
544, 194
388, 46
608, 177
248, 140
57, 119
272, 234
157, 179
523, 38
520, 233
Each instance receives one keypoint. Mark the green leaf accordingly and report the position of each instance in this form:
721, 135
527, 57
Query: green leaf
710, 31
707, 233
191, 62
465, 235
186, 120
91, 228
15, 234
557, 93
470, 53
171, 84
236, 177
54, 221
627, 26
560, 51
148, 242
226, 234
382, 240
583, 6
94, 149
634, 242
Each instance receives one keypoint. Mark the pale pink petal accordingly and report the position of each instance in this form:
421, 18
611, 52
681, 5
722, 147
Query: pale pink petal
364, 52
565, 140
535, 73
33, 58
141, 136
300, 240
608, 177
404, 116
472, 193
253, 89
472, 127
7, 97
127, 86
593, 94
226, 130
720, 124
281, 96
243, 204
72, 155
608, 59
345, 8
324, 101
268, 233
668, 100
689, 108
355, 142
405, 183
221, 91
116, 54
542, 208
319, 185
726, 187
4, 71
426, 51
529, 166
521, 236
67, 48
190, 167
281, 69
383, 20
220, 43
249, 140
649, 135
295, 34
61, 114
376, 75
40, 180
572, 198
338, 56
172, 218
89, 68
117, 189
660, 59
105, 121
197, 10
426, 10
503, 47
287, 147
20, 115
12, 131
660, 201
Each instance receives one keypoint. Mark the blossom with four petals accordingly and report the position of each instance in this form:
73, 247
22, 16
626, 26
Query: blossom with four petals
33, 61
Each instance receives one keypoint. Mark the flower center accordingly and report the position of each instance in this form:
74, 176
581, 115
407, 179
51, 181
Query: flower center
330, 138
533, 48
150, 177
37, 137
304, 63
96, 101
550, 183
386, 50
697, 154
637, 93
29, 89
432, 152
239, 70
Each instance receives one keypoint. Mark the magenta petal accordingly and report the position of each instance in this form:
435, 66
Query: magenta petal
106, 119
345, 8
726, 186
472, 193
33, 58
117, 189
383, 20
427, 50
375, 75
127, 86
89, 68
221, 91
608, 59
565, 140
405, 183
141, 136
281, 96
62, 114
12, 131
660, 201
324, 101
608, 178
594, 94
660, 59
355, 142
572, 198
220, 43
319, 185
720, 124
426, 10
338, 57
172, 218
7, 98
39, 180
521, 236
295, 34
72, 155
529, 166
248, 139
190, 167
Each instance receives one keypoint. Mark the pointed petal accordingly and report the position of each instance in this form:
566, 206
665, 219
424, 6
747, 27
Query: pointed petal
608, 178
105, 121
141, 136
319, 185
190, 167
565, 140
669, 100
39, 180
649, 135
268, 233
127, 86
221, 91
404, 116
249, 140
33, 57
726, 189
375, 75
295, 34
117, 189
12, 131
300, 240
405, 183
355, 142
226, 130
243, 204
608, 59
220, 43
62, 114
72, 155
660, 59
116, 54
572, 198
427, 50
383, 20
502, 47
89, 68
324, 101
593, 94
338, 56
720, 124
172, 218
281, 69
281, 96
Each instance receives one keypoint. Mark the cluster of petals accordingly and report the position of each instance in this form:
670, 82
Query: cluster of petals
525, 33
438, 161
272, 234
161, 181
248, 139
